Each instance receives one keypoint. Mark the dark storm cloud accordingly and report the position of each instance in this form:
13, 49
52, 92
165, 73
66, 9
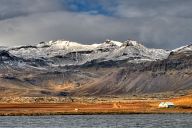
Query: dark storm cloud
162, 23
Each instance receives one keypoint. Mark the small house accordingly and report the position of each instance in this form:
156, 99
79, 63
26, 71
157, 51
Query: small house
166, 105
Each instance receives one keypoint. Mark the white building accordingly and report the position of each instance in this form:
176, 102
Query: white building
166, 105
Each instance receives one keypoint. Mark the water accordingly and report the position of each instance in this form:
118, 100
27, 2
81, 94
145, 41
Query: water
98, 121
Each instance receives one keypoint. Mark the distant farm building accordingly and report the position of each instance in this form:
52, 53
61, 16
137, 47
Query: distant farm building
166, 105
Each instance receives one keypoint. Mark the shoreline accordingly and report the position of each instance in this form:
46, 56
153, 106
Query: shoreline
93, 113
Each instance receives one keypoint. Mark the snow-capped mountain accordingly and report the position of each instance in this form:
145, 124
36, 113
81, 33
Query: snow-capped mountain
72, 53
111, 67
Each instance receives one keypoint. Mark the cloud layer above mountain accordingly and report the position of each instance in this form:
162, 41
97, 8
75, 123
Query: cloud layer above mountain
162, 23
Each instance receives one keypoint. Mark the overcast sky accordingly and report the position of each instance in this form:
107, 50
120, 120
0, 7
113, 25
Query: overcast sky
157, 23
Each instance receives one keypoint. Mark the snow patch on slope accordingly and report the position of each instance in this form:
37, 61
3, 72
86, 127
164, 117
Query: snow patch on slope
73, 53
183, 49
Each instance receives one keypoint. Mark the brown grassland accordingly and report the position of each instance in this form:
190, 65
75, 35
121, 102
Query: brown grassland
183, 104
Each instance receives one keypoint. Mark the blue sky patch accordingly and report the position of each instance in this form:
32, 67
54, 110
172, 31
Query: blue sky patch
93, 7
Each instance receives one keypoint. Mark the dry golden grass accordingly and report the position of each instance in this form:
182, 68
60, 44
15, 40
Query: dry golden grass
184, 100
86, 108
183, 105
74, 108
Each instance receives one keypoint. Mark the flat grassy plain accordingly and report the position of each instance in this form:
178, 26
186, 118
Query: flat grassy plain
183, 104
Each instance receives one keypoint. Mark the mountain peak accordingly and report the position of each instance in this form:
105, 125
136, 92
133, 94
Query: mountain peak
57, 43
183, 48
113, 43
132, 43
67, 45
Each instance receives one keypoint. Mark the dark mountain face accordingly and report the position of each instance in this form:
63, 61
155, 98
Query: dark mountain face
149, 77
5, 56
42, 76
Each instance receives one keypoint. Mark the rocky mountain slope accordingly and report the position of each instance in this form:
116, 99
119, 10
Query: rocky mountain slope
62, 68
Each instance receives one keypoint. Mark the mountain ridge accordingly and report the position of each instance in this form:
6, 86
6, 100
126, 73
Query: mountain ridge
63, 68
80, 53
